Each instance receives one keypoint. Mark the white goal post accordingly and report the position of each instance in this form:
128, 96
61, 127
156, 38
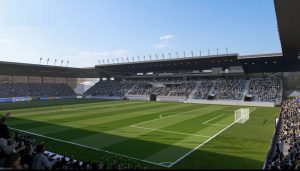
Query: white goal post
241, 115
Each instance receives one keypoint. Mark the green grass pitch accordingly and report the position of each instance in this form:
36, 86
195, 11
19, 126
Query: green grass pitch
157, 134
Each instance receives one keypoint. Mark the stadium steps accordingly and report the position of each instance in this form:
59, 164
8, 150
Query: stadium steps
194, 90
280, 92
246, 88
133, 87
212, 87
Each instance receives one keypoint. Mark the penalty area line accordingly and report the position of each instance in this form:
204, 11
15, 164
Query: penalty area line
88, 147
200, 145
173, 132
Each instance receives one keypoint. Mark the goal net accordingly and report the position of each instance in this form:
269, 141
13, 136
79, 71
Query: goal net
241, 115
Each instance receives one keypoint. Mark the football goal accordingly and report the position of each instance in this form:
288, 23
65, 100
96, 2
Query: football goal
241, 115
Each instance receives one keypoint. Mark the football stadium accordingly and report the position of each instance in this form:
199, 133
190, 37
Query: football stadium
187, 110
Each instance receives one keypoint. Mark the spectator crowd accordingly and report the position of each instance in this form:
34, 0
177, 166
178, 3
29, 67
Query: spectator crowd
203, 89
286, 154
229, 89
34, 90
265, 89
109, 88
223, 88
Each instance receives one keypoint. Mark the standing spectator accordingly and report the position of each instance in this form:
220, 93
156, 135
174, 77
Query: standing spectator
3, 127
40, 161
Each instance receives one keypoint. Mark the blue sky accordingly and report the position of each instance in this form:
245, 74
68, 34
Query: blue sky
84, 31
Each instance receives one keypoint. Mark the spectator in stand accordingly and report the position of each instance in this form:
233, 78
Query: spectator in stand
265, 89
40, 161
27, 157
3, 127
7, 143
35, 90
13, 162
288, 137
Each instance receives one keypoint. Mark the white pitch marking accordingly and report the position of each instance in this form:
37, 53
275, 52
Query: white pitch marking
164, 117
216, 124
169, 131
93, 148
182, 157
212, 119
161, 115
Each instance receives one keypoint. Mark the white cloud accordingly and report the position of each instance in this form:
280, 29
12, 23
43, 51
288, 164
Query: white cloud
164, 42
167, 38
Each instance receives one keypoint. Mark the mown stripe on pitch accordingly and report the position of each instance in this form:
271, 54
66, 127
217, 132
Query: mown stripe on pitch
40, 124
81, 126
66, 113
33, 112
85, 114
123, 120
96, 115
63, 104
197, 121
163, 139
115, 127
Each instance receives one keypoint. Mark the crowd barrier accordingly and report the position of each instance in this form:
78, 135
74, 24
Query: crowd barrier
15, 99
104, 97
232, 102
138, 97
29, 98
171, 98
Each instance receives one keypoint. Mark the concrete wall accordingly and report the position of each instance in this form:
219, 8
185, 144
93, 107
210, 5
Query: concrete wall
60, 80
20, 79
32, 79
5, 78
48, 80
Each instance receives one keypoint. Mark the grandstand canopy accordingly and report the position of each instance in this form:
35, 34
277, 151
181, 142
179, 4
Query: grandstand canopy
288, 19
22, 69
174, 65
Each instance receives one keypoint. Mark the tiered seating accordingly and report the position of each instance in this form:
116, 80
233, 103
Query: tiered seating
229, 89
141, 89
35, 90
223, 88
267, 90
183, 89
109, 88
203, 89
289, 135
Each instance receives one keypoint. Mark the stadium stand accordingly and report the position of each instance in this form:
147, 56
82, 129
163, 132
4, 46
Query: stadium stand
224, 88
109, 88
229, 89
35, 90
203, 89
285, 151
267, 89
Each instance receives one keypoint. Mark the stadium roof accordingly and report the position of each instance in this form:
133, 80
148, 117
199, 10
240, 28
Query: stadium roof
23, 69
274, 62
288, 17
168, 65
